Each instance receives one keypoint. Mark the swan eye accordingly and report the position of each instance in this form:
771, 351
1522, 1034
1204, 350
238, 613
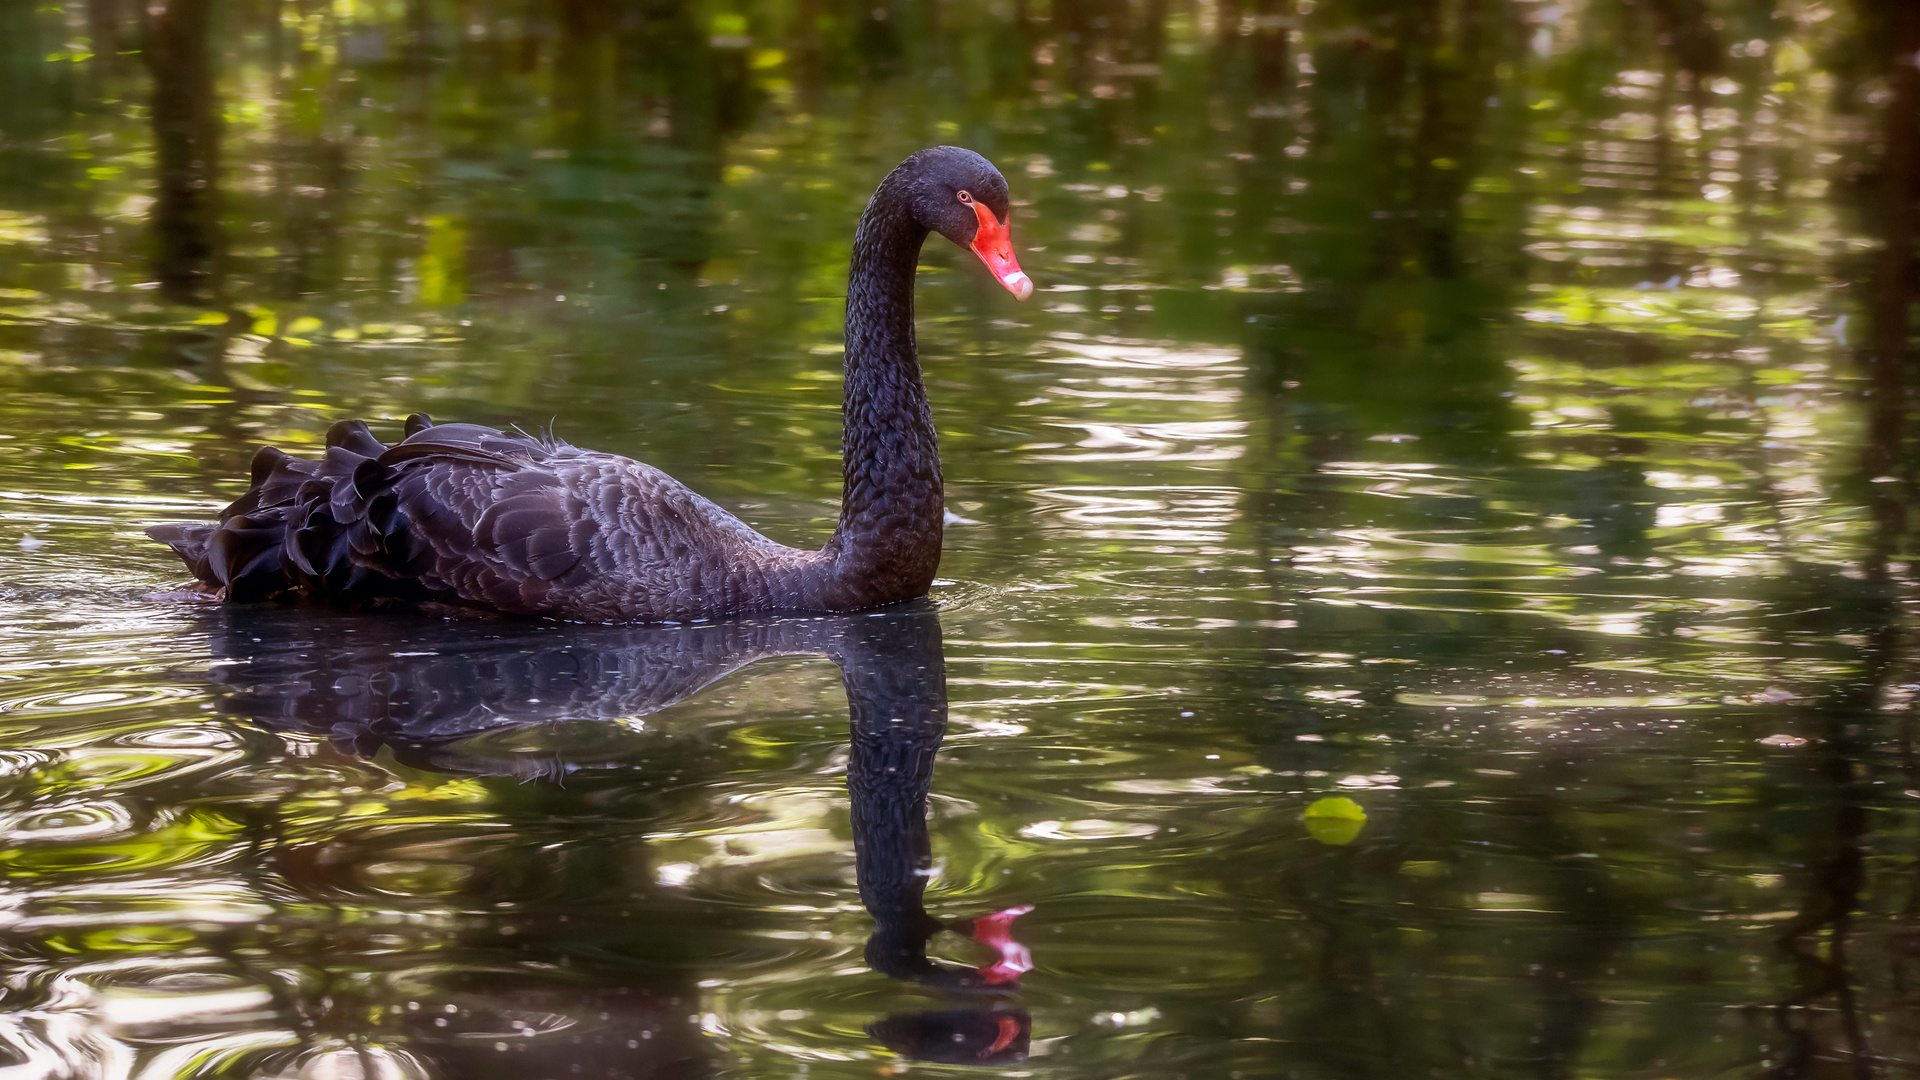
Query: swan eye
966, 197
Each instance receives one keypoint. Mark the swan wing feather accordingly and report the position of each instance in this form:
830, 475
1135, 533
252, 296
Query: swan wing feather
466, 515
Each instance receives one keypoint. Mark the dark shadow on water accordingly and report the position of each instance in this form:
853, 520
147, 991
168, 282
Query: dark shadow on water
427, 691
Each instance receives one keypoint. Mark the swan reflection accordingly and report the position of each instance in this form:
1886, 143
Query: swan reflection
441, 696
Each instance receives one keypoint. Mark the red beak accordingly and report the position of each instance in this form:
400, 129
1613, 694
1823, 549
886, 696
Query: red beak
994, 244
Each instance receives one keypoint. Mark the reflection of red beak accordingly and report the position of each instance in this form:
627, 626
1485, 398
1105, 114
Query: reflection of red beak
996, 930
1010, 1029
994, 244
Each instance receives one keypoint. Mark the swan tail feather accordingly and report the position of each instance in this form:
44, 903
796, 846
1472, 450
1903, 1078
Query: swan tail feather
333, 529
453, 514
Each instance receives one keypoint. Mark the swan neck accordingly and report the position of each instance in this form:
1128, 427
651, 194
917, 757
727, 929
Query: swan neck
887, 547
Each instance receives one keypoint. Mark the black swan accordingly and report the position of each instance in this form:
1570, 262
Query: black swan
463, 516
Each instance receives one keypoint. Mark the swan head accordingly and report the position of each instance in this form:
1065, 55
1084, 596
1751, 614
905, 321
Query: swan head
960, 195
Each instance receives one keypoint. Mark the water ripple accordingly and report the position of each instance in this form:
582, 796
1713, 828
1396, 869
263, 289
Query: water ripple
94, 700
66, 821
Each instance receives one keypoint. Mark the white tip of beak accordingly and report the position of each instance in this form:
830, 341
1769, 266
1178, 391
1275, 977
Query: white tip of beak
1019, 284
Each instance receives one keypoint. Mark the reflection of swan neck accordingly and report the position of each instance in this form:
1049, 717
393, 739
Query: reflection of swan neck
897, 701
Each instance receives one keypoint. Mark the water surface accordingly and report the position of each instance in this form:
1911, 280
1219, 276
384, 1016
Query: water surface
1426, 596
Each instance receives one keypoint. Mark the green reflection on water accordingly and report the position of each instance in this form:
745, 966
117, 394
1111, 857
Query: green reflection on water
1446, 409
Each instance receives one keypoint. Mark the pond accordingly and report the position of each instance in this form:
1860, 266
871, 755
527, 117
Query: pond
1427, 590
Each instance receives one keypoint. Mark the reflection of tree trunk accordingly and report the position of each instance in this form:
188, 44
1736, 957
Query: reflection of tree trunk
1663, 181
419, 30
1837, 868
416, 61
1841, 789
1836, 865
274, 31
682, 236
1434, 138
1228, 26
1270, 80
1452, 94
1685, 31
1595, 922
1071, 26
1661, 262
1268, 125
1894, 292
1149, 36
879, 43
587, 62
809, 64
103, 33
1893, 295
313, 213
186, 138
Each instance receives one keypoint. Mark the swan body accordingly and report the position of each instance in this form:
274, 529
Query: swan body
465, 516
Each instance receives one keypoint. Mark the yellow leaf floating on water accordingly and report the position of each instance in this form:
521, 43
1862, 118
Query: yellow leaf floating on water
1335, 821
